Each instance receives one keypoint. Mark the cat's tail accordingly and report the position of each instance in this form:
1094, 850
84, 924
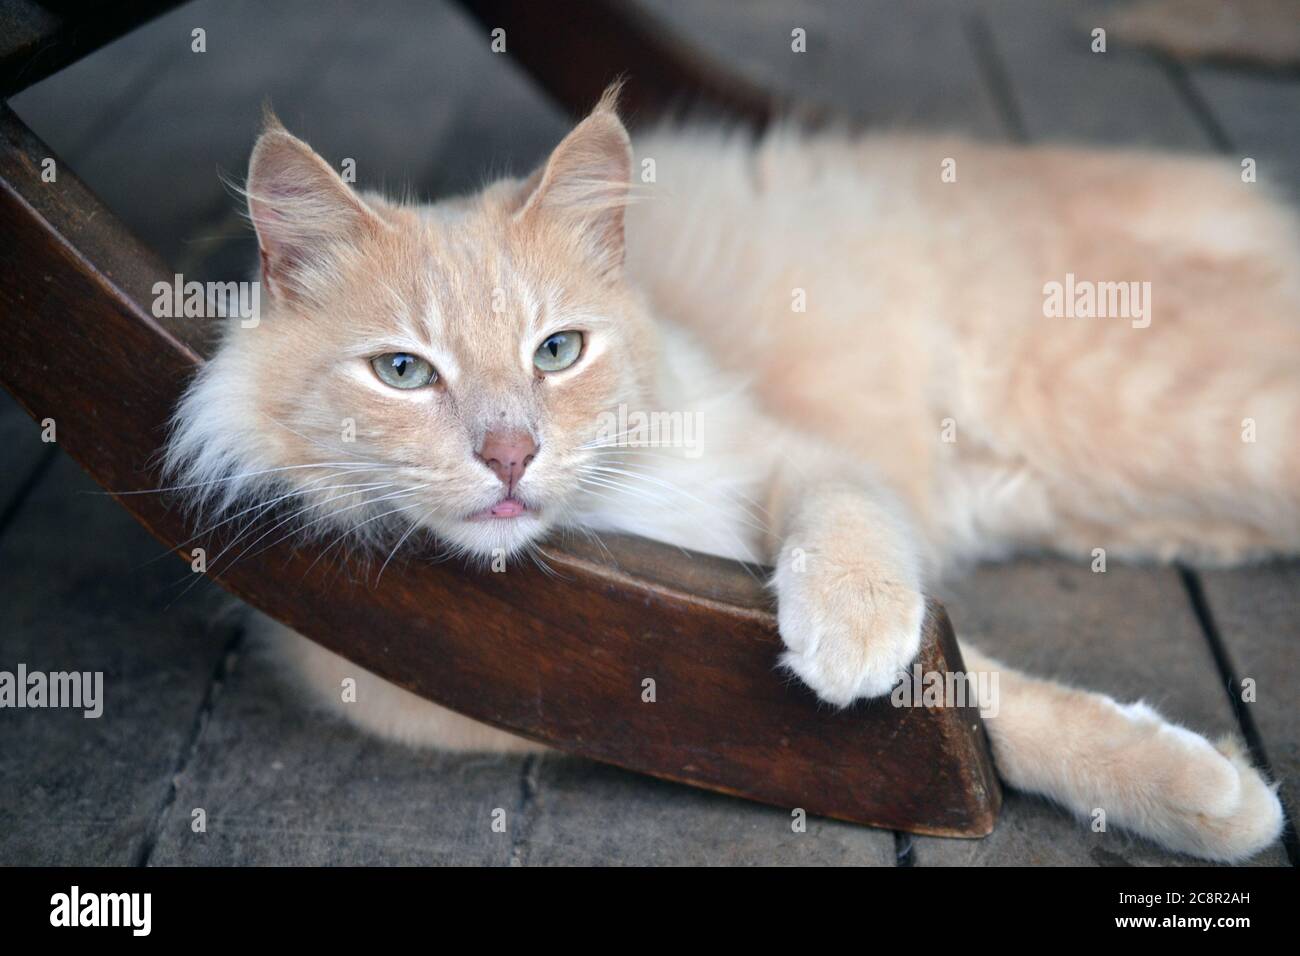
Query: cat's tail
1125, 765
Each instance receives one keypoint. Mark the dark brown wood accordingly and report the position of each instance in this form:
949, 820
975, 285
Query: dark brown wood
38, 39
557, 659
576, 48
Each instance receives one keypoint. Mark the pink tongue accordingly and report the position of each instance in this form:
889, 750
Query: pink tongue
506, 508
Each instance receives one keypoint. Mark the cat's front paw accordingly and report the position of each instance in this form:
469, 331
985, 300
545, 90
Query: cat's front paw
848, 634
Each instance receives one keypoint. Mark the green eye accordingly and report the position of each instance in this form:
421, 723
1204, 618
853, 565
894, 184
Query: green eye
558, 352
403, 370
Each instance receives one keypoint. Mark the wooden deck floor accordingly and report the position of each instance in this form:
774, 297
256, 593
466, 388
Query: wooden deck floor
409, 89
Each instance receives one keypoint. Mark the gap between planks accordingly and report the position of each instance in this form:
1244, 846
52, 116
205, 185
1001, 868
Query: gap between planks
225, 666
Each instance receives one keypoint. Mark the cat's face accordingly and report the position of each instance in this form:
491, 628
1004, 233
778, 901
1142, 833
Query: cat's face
443, 368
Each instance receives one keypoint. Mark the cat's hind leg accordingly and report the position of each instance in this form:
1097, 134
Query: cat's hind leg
1089, 753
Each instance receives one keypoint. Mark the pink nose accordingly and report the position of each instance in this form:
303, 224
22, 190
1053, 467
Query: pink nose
508, 454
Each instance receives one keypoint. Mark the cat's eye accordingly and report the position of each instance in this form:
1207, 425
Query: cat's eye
403, 370
558, 352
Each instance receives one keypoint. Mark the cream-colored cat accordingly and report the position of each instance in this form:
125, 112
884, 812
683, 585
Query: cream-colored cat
878, 390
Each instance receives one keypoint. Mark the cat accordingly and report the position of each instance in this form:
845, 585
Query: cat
825, 306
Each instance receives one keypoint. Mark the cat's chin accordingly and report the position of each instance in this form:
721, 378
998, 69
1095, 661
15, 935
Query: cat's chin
490, 537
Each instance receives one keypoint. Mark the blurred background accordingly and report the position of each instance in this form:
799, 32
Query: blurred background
412, 92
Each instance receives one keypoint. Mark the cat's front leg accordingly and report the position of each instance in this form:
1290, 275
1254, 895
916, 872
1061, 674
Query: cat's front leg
848, 583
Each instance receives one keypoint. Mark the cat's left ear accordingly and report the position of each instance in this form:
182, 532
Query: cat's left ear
584, 185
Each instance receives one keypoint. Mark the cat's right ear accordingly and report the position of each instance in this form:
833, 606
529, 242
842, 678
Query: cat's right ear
302, 210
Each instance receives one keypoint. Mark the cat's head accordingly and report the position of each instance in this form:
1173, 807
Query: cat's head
442, 368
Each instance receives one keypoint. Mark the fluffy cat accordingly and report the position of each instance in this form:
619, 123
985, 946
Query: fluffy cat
479, 342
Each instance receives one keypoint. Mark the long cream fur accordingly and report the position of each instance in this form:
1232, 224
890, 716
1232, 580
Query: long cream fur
919, 412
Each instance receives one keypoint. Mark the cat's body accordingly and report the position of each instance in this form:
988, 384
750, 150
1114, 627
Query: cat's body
925, 302
875, 391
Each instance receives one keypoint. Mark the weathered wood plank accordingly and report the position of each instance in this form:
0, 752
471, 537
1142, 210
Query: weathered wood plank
1256, 613
871, 61
1064, 91
81, 592
1260, 118
283, 783
587, 814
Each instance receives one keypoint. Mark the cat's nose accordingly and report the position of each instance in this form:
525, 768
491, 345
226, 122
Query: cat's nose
508, 454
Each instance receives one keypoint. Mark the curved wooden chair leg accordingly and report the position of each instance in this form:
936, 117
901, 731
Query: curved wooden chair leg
559, 660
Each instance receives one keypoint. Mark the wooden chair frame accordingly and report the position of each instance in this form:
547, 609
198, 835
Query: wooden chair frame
559, 660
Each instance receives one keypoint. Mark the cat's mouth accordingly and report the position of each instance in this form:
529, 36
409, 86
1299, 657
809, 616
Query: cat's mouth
507, 507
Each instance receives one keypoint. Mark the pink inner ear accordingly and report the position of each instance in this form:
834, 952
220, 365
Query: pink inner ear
286, 240
279, 255
270, 221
